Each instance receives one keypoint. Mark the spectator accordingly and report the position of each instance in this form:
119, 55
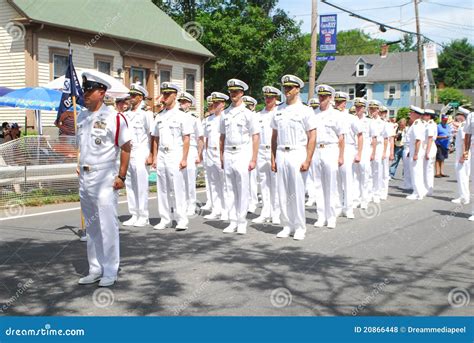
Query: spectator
66, 124
442, 144
13, 133
5, 131
398, 149
122, 104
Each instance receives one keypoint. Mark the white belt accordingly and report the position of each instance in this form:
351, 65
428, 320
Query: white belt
263, 146
167, 149
326, 145
291, 147
98, 166
215, 148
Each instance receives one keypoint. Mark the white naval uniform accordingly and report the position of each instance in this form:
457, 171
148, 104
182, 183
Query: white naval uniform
406, 161
429, 165
213, 166
190, 171
292, 123
99, 146
330, 127
268, 178
469, 129
238, 125
345, 183
361, 170
170, 127
417, 132
389, 133
379, 132
139, 123
206, 176
311, 189
463, 170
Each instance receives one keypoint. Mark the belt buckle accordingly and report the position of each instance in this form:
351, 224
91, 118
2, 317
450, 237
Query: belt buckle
267, 146
166, 149
321, 145
287, 148
86, 168
234, 148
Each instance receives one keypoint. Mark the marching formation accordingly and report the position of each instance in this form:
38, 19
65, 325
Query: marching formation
340, 158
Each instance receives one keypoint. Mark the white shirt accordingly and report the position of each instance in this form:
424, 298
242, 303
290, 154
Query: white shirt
364, 125
353, 127
378, 130
264, 118
212, 131
330, 126
170, 126
469, 128
198, 129
97, 133
238, 125
139, 122
292, 123
416, 132
459, 142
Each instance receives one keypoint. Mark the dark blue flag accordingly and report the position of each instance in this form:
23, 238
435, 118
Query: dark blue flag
71, 88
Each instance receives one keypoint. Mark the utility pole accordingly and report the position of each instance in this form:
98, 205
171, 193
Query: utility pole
314, 39
420, 57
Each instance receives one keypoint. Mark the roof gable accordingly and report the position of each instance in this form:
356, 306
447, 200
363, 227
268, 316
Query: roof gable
137, 20
401, 66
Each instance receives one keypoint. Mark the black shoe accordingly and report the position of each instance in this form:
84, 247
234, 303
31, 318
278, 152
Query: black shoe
442, 175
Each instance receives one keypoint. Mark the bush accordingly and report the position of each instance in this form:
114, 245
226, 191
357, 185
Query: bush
403, 112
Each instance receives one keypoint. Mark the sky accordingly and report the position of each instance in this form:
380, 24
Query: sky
440, 20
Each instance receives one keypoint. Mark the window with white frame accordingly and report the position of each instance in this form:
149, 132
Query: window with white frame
392, 91
392, 113
360, 69
351, 92
104, 67
60, 63
190, 81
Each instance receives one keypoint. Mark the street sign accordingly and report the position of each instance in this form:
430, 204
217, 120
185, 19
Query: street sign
325, 58
454, 104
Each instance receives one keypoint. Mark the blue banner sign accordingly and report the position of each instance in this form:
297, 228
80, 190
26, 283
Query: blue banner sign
328, 33
325, 58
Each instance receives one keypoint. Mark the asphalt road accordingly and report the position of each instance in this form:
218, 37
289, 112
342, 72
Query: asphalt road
402, 258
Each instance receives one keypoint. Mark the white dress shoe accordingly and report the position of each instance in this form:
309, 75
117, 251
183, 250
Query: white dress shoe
471, 218
299, 234
206, 207
363, 205
161, 226
460, 201
142, 221
231, 228
107, 281
252, 208
131, 221
376, 200
242, 228
89, 279
331, 224
276, 221
413, 197
320, 223
182, 225
259, 220
212, 215
224, 216
190, 213
285, 233
350, 214
310, 202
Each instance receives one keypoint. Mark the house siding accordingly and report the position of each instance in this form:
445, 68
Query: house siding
379, 93
12, 59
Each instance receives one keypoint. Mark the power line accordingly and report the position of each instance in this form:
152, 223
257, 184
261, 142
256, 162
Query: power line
444, 5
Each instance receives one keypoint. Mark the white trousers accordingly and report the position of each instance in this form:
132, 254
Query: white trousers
216, 180
170, 187
291, 186
429, 169
385, 176
268, 186
345, 186
253, 188
416, 170
99, 207
237, 179
310, 180
463, 170
137, 184
406, 170
362, 177
190, 179
377, 172
472, 178
326, 181
206, 180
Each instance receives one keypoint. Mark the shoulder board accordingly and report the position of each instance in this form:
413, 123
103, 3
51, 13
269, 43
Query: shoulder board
431, 121
416, 121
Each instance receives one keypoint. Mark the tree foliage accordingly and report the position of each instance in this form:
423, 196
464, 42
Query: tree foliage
447, 95
456, 68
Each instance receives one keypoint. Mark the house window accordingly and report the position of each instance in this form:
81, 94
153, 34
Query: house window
360, 69
137, 75
392, 89
391, 113
60, 63
190, 81
104, 67
165, 76
104, 63
351, 92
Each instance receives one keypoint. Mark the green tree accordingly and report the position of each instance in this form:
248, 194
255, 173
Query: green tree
403, 112
447, 95
456, 68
